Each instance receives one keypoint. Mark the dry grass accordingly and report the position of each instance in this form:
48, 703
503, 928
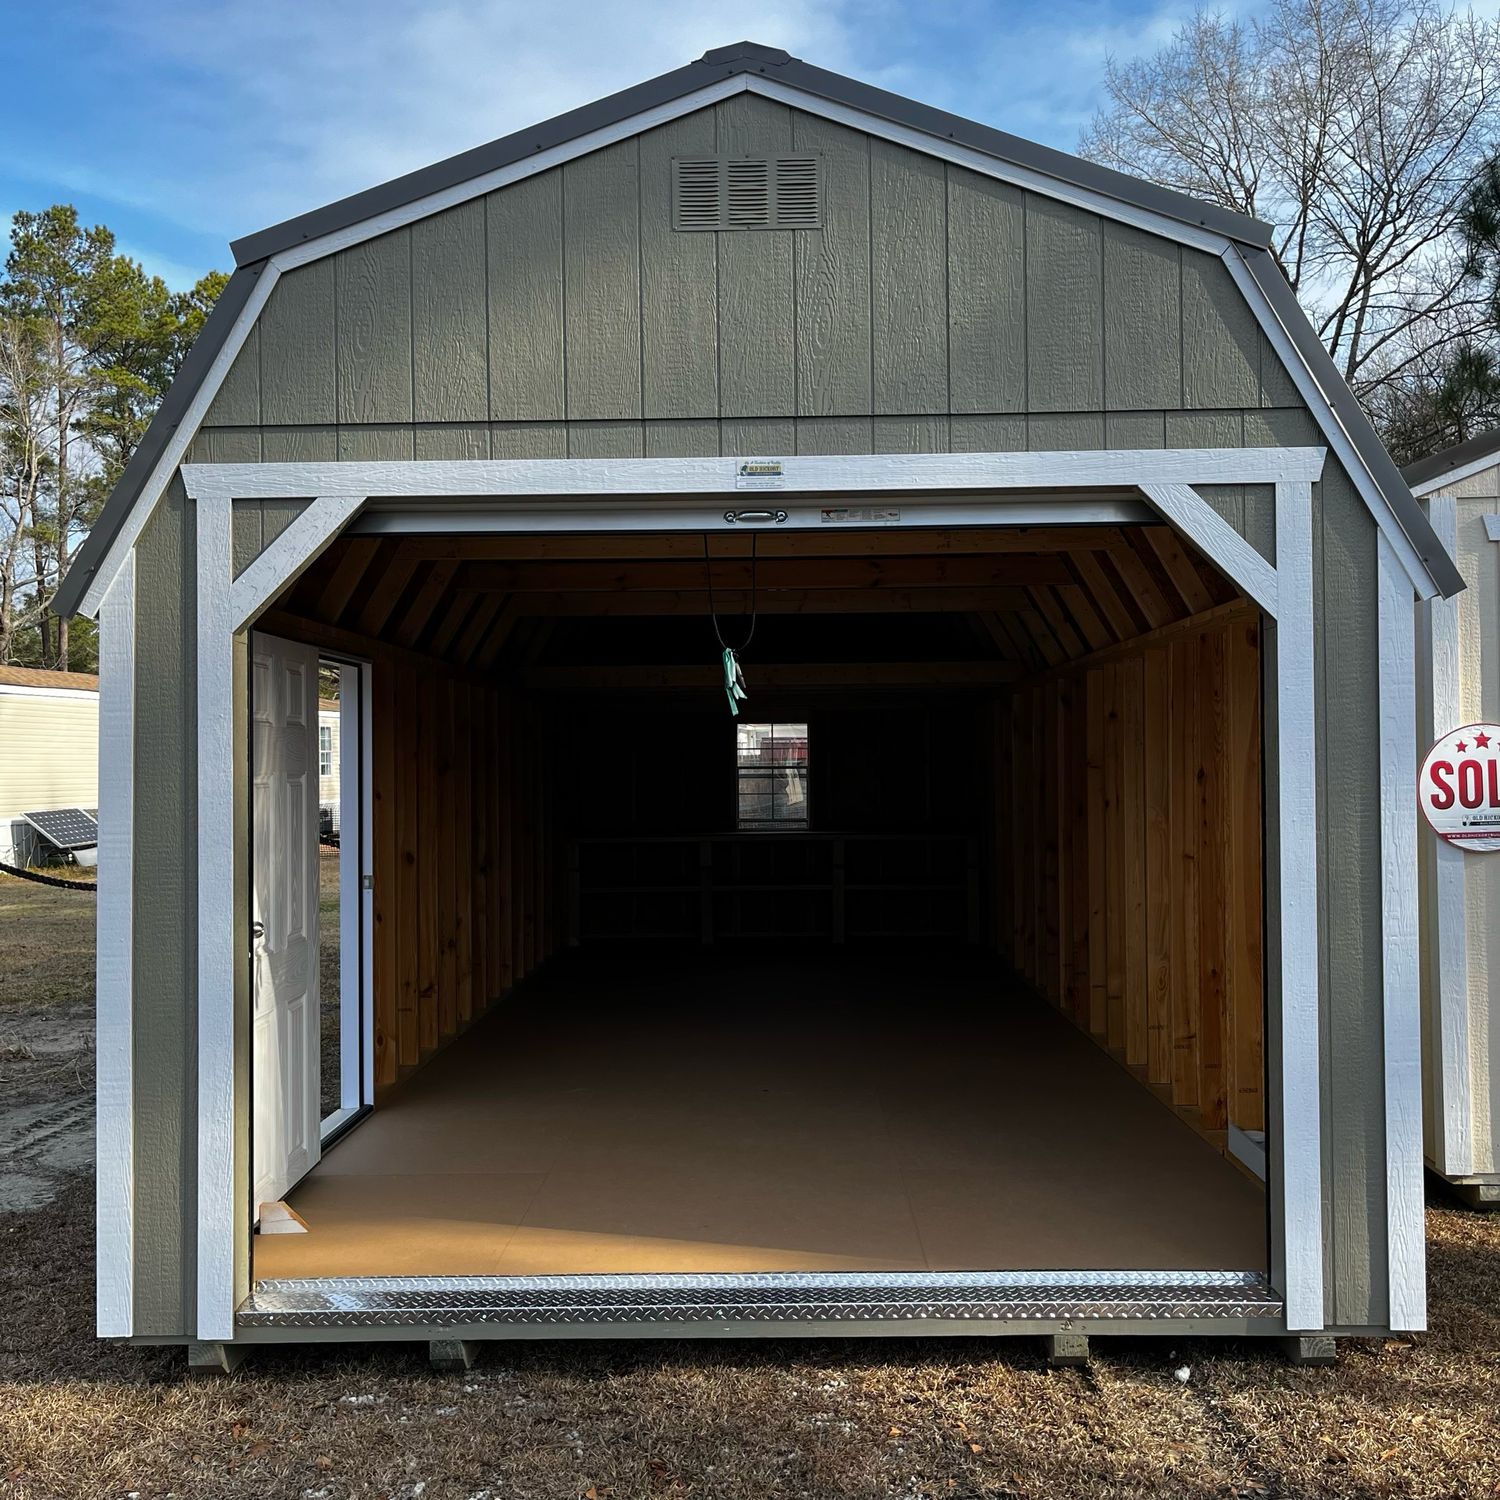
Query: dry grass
959, 1418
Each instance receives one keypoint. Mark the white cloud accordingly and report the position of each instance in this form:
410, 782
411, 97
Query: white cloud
286, 104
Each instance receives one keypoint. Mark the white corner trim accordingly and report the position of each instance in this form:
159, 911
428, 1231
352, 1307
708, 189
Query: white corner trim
177, 445
1492, 528
1328, 420
367, 884
353, 974
217, 1219
293, 551
1296, 1134
1448, 947
1400, 939
1216, 538
114, 1087
523, 478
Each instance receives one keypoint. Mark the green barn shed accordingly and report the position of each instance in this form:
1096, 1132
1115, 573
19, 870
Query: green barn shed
1033, 953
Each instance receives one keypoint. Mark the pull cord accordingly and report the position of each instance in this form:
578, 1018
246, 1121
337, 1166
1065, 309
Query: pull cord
713, 613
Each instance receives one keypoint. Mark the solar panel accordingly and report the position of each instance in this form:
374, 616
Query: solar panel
65, 828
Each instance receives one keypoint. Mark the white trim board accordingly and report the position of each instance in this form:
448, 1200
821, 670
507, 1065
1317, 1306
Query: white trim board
1456, 475
1296, 1130
15, 690
114, 1085
1400, 939
1447, 950
615, 478
1168, 228
1492, 528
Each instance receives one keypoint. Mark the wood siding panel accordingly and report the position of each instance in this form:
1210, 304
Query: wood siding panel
757, 293
164, 981
450, 332
602, 284
679, 282
373, 287
909, 279
1142, 319
986, 293
237, 403
299, 340
524, 271
1064, 299
1220, 337
833, 275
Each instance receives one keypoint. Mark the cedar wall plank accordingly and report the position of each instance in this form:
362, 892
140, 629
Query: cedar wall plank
1130, 798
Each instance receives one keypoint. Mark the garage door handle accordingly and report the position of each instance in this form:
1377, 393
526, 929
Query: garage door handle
755, 517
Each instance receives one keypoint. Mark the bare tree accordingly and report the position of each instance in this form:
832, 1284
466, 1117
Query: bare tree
27, 440
1353, 127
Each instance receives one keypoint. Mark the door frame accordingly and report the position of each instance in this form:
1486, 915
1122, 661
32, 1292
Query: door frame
999, 489
356, 902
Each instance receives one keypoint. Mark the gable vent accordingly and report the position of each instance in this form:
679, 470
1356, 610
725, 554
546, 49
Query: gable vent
747, 192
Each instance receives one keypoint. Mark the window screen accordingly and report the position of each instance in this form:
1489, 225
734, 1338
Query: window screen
771, 764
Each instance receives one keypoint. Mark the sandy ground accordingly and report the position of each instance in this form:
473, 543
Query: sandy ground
959, 1418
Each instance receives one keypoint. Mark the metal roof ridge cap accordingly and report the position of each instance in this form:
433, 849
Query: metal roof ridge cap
1424, 470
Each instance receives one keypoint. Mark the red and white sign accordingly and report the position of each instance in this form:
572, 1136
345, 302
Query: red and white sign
1459, 787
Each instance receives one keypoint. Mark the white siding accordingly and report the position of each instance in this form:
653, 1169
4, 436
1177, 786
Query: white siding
1478, 698
49, 754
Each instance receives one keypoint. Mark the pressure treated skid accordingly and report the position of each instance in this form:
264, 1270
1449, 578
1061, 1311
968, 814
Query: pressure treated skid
1063, 333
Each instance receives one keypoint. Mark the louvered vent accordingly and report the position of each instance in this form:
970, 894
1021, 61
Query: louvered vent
747, 192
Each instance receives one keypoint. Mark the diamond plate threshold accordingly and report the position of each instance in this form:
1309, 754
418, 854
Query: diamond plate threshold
763, 1297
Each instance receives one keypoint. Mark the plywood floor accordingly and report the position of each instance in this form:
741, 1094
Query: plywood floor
803, 1113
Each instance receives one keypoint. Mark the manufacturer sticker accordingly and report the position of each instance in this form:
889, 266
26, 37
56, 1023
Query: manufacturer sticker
759, 474
1459, 787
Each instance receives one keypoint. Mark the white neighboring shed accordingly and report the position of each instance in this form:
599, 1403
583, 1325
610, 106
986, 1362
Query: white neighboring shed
1459, 683
49, 749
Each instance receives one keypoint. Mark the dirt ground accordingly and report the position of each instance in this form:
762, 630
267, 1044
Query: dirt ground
954, 1418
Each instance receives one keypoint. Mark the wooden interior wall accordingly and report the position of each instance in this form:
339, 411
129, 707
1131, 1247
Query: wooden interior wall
1129, 798
464, 905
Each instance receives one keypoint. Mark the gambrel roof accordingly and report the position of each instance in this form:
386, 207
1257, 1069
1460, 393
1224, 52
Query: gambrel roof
1242, 243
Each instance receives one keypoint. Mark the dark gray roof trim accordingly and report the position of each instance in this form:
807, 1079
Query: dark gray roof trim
1457, 457
184, 387
725, 62
1382, 468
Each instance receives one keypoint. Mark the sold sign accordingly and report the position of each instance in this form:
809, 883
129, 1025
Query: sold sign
1460, 787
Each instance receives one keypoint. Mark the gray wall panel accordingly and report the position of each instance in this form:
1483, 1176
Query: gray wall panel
238, 400
679, 282
528, 440
372, 283
1142, 319
165, 1028
991, 434
1220, 337
524, 242
453, 440
299, 340
757, 437
1135, 429
909, 276
835, 435
986, 294
698, 438
833, 275
757, 294
1064, 302
449, 323
911, 434
602, 285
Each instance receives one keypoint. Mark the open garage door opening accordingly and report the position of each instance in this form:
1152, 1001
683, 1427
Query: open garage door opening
944, 954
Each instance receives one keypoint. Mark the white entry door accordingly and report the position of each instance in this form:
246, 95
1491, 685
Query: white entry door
284, 934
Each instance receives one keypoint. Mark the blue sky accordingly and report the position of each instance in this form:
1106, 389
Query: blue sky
185, 123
